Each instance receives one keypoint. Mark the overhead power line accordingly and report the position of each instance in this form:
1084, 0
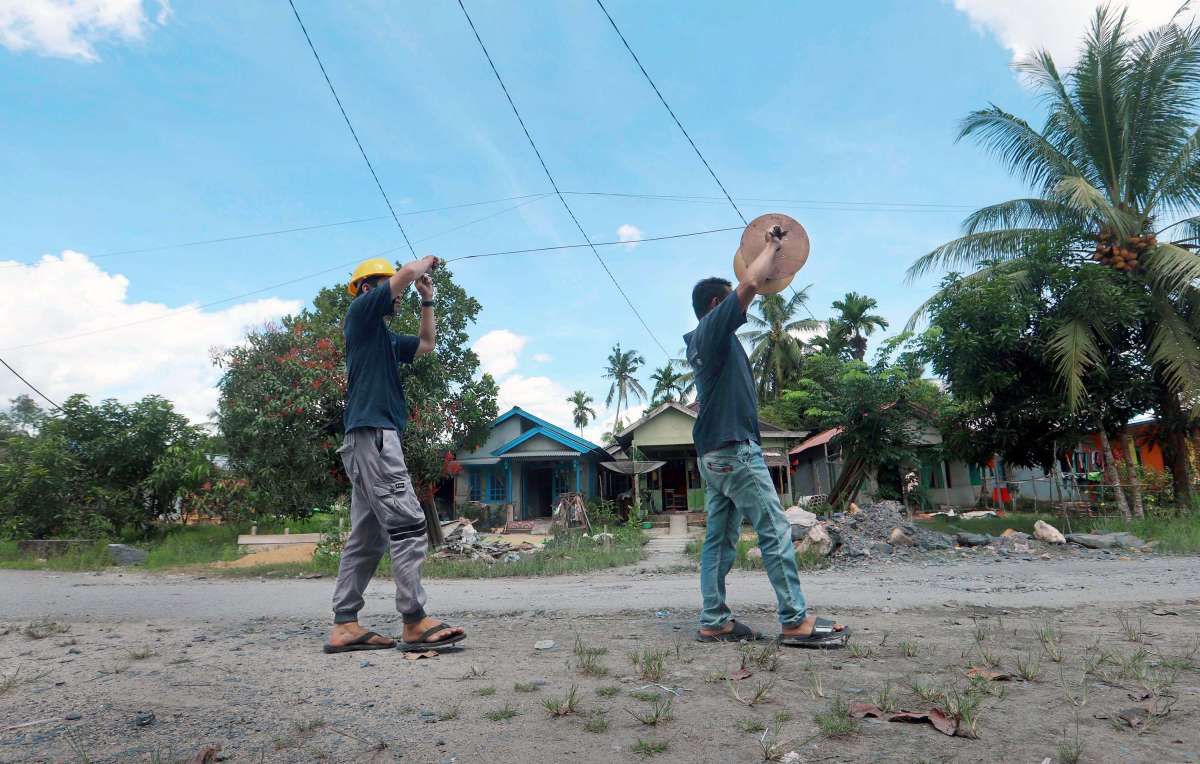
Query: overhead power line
671, 111
30, 385
347, 264
553, 183
350, 125
682, 129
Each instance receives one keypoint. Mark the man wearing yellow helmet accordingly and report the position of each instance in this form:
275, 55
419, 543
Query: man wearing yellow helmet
385, 513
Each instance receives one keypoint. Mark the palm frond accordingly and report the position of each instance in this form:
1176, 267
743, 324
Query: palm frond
1028, 153
1172, 268
975, 250
1099, 80
1087, 200
1175, 349
1073, 348
1048, 214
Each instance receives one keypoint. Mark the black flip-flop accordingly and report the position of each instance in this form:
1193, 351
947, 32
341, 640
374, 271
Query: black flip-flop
362, 643
823, 636
421, 644
740, 633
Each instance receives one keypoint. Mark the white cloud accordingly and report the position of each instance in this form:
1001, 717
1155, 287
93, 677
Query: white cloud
72, 28
498, 351
69, 294
1025, 26
540, 396
629, 233
542, 357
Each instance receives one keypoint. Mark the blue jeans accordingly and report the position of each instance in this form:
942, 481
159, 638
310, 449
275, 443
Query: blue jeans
739, 483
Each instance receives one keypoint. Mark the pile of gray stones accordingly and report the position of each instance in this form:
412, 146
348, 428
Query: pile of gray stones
882, 530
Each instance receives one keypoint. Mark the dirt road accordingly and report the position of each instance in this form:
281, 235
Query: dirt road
999, 583
137, 668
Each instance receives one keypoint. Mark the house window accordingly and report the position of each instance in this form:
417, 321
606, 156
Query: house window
497, 488
693, 476
476, 485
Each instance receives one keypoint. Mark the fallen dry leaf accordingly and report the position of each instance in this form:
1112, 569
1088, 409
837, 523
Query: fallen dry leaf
419, 656
741, 674
991, 676
206, 755
940, 720
1134, 717
1163, 611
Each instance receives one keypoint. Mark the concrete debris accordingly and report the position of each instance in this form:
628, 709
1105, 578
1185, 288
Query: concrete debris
463, 542
1106, 540
545, 644
123, 554
1044, 531
900, 537
801, 517
817, 539
973, 539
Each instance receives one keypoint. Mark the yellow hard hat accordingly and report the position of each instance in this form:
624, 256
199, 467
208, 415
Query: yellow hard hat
376, 266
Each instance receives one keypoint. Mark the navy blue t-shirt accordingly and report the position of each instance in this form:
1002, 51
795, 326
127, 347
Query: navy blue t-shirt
724, 383
374, 395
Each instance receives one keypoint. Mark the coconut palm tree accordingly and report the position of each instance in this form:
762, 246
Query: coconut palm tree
857, 322
669, 385
1115, 175
622, 370
583, 412
776, 351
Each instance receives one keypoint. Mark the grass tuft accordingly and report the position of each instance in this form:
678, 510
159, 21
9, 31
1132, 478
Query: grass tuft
660, 711
564, 706
608, 691
525, 687
503, 714
835, 721
596, 723
649, 748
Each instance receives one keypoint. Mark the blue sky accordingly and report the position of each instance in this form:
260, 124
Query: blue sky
202, 120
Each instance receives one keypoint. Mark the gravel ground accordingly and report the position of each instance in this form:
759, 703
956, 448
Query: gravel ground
237, 663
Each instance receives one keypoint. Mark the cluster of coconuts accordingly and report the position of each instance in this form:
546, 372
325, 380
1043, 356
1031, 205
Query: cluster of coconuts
1122, 254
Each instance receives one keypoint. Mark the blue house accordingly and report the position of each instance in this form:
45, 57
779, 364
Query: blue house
528, 463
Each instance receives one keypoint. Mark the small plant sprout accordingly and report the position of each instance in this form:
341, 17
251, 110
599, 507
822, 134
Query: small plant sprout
908, 649
608, 691
596, 723
589, 664
486, 692
651, 664
525, 687
980, 632
1029, 666
769, 744
1070, 749
989, 658
660, 711
835, 721
885, 697
760, 694
861, 651
650, 748
751, 725
473, 673
925, 692
963, 706
1133, 630
564, 706
450, 714
502, 714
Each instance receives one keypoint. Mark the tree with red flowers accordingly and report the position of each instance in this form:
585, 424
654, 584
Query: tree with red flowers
283, 394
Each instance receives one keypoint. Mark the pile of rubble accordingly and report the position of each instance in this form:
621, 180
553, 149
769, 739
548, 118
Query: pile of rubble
463, 542
883, 529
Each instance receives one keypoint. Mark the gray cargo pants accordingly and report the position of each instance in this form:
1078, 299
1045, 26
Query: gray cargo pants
384, 515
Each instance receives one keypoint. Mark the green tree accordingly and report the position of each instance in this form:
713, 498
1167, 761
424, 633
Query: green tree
1117, 158
23, 415
669, 385
776, 350
622, 370
856, 322
582, 411
95, 470
283, 396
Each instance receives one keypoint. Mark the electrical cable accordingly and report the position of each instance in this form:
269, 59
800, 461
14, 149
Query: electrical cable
30, 385
346, 117
553, 183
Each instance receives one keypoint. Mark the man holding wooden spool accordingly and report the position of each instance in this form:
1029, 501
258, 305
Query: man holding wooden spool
773, 249
385, 513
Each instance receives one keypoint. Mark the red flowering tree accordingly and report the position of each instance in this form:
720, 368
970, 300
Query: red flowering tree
283, 395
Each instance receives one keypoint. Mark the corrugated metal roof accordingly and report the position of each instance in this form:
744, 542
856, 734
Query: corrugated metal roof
819, 439
540, 454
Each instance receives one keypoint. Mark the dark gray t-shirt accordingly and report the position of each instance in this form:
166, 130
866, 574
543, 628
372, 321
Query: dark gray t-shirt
374, 394
724, 383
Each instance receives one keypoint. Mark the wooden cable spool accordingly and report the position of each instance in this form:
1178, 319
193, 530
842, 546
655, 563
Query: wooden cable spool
793, 251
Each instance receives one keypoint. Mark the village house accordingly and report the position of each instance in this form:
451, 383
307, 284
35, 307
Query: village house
817, 462
670, 479
528, 463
